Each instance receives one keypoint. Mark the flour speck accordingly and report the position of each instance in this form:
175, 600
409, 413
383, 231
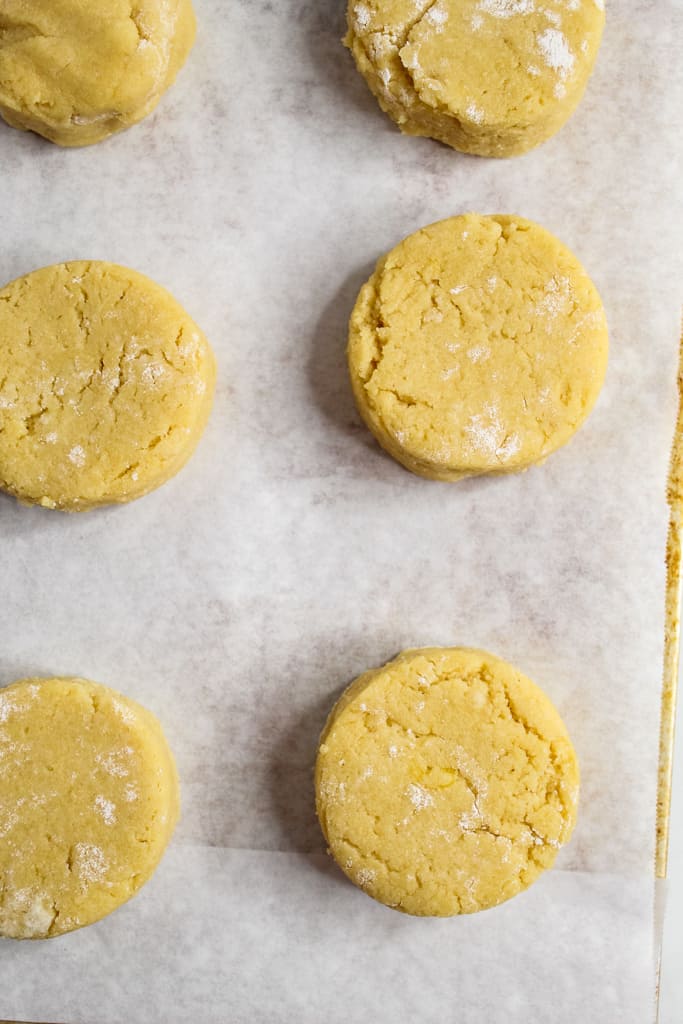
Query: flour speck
115, 762
475, 114
152, 373
89, 862
555, 51
362, 16
123, 711
478, 353
506, 8
437, 16
106, 809
77, 456
419, 797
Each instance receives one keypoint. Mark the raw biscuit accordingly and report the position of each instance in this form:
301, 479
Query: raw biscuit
76, 71
88, 802
488, 77
105, 385
479, 345
445, 782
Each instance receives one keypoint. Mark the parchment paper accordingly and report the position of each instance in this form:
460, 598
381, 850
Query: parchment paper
291, 553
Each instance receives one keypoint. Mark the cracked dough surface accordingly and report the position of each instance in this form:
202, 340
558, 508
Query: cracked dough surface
445, 782
488, 77
76, 71
105, 385
479, 345
88, 801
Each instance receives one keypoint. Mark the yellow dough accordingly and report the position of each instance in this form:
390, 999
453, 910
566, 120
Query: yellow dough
479, 345
489, 77
445, 782
105, 385
76, 71
88, 801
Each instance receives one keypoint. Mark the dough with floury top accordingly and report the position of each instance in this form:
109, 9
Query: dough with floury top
106, 385
76, 71
479, 345
488, 77
89, 799
446, 782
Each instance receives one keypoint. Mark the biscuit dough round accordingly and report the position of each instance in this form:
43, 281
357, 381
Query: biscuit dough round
88, 802
479, 345
488, 77
76, 71
445, 782
105, 385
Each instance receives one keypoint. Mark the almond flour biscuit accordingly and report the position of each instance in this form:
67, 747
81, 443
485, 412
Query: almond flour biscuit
76, 71
479, 345
88, 802
445, 782
488, 77
105, 386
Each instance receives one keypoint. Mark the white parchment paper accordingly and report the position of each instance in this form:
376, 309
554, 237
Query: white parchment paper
291, 553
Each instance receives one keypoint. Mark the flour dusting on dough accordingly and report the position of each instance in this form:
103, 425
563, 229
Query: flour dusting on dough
488, 436
362, 17
476, 116
438, 16
89, 862
419, 797
506, 8
124, 712
77, 456
26, 914
116, 762
106, 809
555, 51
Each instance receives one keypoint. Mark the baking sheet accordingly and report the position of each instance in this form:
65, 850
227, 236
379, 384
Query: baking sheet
291, 553
672, 634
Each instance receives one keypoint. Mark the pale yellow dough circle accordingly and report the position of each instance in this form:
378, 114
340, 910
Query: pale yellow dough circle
445, 782
488, 77
76, 71
88, 802
105, 385
479, 345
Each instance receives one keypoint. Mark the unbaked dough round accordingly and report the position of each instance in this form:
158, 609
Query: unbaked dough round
479, 345
445, 782
105, 385
88, 801
76, 71
489, 77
